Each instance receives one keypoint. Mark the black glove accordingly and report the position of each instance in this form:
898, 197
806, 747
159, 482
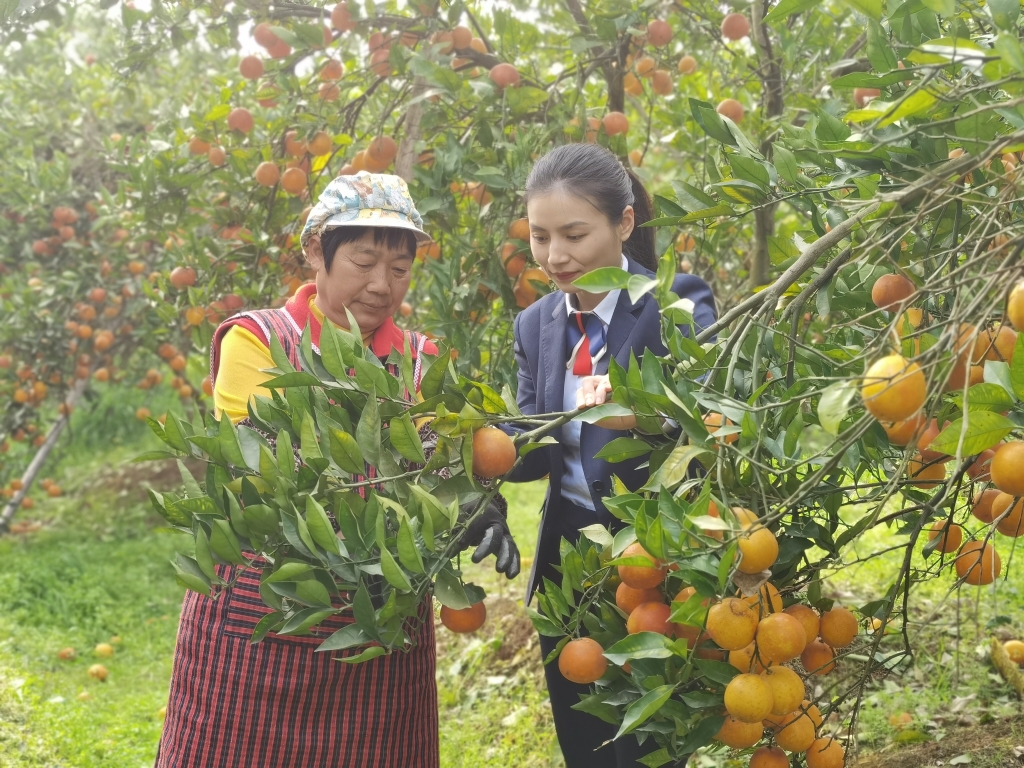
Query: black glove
490, 535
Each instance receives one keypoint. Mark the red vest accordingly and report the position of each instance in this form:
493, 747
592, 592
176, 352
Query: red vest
288, 322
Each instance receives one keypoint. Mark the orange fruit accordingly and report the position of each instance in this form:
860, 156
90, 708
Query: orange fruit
807, 617
825, 753
104, 650
463, 620
952, 536
382, 151
267, 174
780, 637
641, 576
644, 66
730, 108
931, 431
627, 598
504, 75
748, 698
769, 757
995, 344
615, 123
650, 617
66, 654
767, 600
332, 70
197, 146
980, 468
177, 363
251, 67
795, 732
861, 96
183, 277
661, 83
631, 85
1015, 306
293, 180
217, 157
838, 627
732, 624
98, 672
240, 119
659, 33
142, 413
818, 658
735, 26
321, 144
759, 549
787, 689
1007, 468
925, 475
494, 453
983, 501
738, 734
891, 291
714, 422
745, 659
977, 563
1012, 522
1015, 650
582, 661
687, 65
893, 388
519, 230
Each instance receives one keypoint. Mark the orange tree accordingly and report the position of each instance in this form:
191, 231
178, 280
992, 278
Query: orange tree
853, 160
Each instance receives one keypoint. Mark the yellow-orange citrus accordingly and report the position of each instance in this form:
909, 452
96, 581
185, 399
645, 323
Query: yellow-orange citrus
893, 388
1009, 515
1007, 468
787, 689
807, 617
738, 734
795, 732
769, 757
745, 659
838, 627
891, 291
732, 624
780, 638
825, 753
641, 576
1015, 306
650, 617
951, 536
627, 598
759, 549
494, 453
582, 661
978, 564
748, 698
818, 658
983, 501
464, 619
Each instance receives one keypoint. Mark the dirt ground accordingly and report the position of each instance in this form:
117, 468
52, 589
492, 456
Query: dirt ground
995, 745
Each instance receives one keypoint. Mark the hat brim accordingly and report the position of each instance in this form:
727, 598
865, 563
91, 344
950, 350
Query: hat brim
422, 238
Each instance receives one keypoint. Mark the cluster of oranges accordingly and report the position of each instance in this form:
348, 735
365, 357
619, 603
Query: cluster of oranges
894, 390
63, 221
756, 634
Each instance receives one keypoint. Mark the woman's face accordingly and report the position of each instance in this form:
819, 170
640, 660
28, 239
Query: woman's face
570, 237
371, 280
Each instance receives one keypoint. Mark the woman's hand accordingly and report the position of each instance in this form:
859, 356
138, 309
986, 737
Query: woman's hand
596, 390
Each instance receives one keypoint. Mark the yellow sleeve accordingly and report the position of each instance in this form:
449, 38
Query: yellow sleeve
239, 377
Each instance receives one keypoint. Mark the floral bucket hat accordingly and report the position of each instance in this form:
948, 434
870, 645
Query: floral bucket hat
365, 200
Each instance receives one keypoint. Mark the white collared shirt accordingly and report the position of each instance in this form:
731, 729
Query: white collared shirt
574, 482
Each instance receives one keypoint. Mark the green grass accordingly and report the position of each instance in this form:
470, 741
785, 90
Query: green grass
98, 569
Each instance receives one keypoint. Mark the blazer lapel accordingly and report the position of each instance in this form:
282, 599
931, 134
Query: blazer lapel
623, 321
553, 355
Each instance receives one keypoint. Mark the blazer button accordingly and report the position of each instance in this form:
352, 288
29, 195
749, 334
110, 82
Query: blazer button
598, 486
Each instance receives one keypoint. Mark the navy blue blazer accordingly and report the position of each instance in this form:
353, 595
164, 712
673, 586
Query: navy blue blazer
541, 355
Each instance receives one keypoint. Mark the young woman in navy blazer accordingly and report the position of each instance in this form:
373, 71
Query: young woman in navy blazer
585, 210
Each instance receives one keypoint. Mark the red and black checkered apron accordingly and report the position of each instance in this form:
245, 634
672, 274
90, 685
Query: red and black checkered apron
277, 704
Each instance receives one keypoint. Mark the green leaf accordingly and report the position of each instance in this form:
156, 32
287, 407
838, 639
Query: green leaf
190, 575
642, 645
644, 708
229, 446
431, 507
623, 448
986, 397
406, 439
433, 379
1017, 368
870, 8
603, 411
346, 637
835, 404
449, 590
370, 653
880, 52
309, 447
543, 624
984, 430
204, 557
673, 470
1004, 13
717, 671
408, 554
603, 279
301, 621
368, 429
787, 8
345, 452
320, 528
392, 572
224, 543
293, 379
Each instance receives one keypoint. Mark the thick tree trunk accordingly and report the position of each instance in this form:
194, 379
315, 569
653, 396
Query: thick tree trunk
36, 465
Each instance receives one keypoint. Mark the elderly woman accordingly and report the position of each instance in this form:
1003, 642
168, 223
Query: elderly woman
277, 703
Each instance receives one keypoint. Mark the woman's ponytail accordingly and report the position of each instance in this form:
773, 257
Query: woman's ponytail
640, 245
592, 172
